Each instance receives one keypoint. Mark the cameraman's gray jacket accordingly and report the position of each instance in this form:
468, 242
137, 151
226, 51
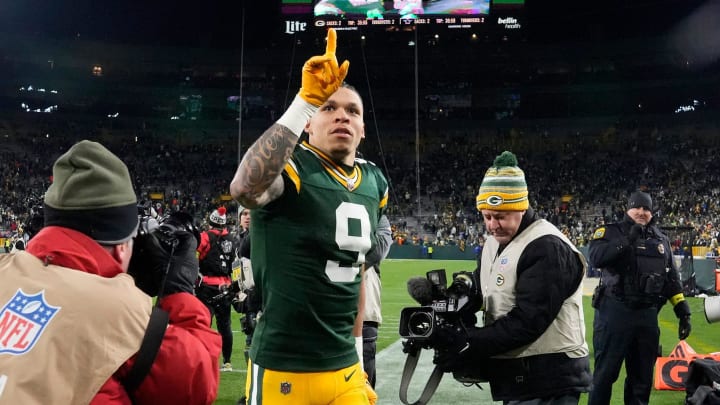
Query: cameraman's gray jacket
533, 342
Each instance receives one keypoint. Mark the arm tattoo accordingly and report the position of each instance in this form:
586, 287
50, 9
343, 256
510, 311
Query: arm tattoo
257, 180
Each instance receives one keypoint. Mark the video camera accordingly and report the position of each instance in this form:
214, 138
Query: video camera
156, 234
242, 299
442, 307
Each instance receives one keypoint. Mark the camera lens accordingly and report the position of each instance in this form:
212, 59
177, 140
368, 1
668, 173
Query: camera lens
420, 324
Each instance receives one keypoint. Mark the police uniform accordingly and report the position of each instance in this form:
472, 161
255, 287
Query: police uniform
637, 278
307, 249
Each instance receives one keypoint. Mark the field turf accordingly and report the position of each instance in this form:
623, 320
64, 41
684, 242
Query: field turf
395, 274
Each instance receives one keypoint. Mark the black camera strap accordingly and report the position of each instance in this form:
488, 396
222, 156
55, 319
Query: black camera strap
433, 381
149, 347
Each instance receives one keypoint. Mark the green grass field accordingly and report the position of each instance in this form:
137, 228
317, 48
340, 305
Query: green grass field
395, 274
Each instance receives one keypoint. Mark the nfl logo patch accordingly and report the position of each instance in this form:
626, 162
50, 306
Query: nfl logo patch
23, 319
285, 388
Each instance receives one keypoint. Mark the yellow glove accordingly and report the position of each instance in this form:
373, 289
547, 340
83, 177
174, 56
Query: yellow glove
321, 75
370, 392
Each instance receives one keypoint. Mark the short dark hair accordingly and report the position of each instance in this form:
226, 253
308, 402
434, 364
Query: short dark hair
351, 87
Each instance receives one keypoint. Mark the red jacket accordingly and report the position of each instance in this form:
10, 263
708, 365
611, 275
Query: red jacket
204, 245
210, 265
185, 370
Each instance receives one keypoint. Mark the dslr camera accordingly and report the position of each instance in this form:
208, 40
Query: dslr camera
156, 234
228, 292
442, 305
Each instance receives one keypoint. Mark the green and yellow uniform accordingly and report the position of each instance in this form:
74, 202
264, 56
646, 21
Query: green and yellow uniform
307, 250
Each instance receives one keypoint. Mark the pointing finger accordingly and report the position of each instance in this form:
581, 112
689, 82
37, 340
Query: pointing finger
331, 42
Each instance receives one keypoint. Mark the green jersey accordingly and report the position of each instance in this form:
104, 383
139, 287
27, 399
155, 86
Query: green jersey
307, 250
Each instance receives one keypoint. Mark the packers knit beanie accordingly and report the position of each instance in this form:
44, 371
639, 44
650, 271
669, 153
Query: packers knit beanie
503, 188
92, 193
218, 219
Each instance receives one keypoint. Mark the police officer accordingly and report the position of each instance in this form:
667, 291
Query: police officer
637, 277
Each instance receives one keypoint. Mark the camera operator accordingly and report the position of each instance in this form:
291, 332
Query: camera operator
216, 256
74, 318
532, 347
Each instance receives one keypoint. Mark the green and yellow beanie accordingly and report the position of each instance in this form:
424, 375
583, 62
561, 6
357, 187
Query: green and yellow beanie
503, 188
92, 193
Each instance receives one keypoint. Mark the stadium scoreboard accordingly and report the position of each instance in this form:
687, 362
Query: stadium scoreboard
299, 15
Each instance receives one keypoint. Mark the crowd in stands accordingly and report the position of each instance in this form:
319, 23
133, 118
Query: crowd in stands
580, 179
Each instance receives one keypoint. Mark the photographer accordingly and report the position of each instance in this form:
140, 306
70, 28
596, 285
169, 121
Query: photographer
532, 347
215, 252
68, 298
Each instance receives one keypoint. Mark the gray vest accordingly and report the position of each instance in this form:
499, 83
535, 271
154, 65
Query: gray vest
498, 275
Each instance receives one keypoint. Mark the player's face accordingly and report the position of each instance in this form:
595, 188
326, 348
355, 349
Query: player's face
338, 126
503, 225
640, 215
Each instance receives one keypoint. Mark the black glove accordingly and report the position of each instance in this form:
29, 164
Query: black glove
151, 257
635, 232
451, 345
183, 271
684, 327
148, 263
682, 312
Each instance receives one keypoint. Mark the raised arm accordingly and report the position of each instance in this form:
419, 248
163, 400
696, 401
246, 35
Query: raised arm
258, 178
